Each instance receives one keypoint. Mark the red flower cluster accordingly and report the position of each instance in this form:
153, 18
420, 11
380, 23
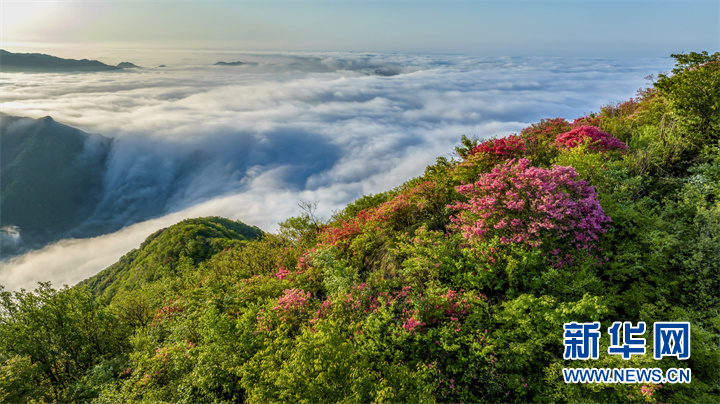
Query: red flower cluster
401, 207
502, 148
292, 301
290, 309
599, 140
282, 273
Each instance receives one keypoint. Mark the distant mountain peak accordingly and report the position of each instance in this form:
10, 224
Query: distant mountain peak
221, 63
41, 63
127, 65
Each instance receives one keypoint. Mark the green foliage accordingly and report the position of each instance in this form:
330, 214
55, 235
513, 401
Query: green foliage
59, 341
387, 302
21, 380
304, 228
435, 258
466, 146
528, 338
693, 94
161, 254
588, 165
259, 257
338, 275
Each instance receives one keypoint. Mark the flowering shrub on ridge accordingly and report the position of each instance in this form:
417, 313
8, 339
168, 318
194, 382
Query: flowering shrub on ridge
501, 149
400, 210
522, 204
599, 140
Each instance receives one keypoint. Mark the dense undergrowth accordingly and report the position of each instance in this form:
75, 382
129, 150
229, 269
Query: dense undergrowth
453, 287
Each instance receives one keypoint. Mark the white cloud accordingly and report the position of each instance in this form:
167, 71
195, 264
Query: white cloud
248, 142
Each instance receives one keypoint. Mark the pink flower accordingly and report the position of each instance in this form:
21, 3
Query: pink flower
292, 300
282, 273
521, 204
411, 324
649, 389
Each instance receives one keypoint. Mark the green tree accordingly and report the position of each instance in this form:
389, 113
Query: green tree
693, 93
56, 338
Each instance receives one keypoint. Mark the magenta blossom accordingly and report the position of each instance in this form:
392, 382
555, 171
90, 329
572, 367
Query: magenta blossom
522, 204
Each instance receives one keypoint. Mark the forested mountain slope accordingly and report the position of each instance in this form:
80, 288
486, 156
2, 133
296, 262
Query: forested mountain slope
454, 287
163, 253
50, 177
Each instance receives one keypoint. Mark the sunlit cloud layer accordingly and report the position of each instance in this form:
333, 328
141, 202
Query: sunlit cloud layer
248, 142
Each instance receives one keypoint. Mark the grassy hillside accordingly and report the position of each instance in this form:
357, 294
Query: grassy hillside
454, 287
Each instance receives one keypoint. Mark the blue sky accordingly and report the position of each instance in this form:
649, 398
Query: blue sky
481, 28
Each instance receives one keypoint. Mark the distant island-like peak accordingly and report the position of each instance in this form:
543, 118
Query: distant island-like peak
127, 65
42, 63
221, 63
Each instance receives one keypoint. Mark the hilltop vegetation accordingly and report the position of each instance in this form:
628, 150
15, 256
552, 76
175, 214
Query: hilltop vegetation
163, 253
453, 287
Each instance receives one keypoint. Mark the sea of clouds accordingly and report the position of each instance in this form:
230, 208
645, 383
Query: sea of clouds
249, 142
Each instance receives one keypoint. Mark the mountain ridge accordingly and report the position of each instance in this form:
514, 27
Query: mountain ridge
163, 252
40, 62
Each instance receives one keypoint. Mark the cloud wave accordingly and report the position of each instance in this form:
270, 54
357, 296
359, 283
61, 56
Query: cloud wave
247, 142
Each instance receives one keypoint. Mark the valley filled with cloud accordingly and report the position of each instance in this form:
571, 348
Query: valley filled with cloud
251, 140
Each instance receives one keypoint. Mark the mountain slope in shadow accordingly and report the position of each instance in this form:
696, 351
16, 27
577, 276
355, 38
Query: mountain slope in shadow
50, 178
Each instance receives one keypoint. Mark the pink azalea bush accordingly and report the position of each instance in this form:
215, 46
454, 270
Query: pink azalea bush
291, 309
282, 273
293, 301
647, 390
521, 204
598, 140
